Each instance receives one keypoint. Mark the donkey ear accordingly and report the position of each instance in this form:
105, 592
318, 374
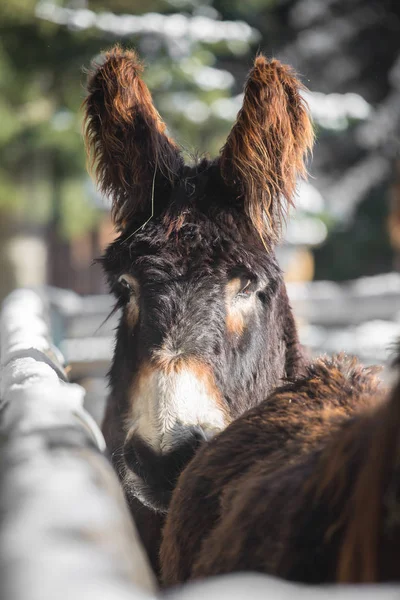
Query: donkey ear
125, 136
267, 146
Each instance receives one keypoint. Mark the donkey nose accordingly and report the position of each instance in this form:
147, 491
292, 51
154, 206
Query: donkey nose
160, 471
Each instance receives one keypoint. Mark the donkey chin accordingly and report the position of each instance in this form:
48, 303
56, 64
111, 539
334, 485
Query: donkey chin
174, 411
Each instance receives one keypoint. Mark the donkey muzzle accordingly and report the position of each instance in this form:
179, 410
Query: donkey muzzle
155, 474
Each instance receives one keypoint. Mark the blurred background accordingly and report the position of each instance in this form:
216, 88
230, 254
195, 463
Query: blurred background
341, 252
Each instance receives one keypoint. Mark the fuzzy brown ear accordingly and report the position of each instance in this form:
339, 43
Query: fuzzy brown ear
266, 148
125, 136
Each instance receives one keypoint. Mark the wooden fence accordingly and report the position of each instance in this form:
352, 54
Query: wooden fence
65, 531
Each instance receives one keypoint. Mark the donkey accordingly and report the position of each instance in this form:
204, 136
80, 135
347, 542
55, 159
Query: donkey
206, 329
208, 530
305, 486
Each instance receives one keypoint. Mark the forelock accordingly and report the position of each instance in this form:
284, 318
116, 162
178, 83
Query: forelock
176, 245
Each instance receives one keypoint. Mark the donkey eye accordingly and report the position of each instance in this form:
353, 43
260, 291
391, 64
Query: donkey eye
127, 286
247, 289
242, 286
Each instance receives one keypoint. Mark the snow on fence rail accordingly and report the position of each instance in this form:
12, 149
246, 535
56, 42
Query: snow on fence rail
65, 531
351, 303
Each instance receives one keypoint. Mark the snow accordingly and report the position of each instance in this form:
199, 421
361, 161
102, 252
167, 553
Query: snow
66, 532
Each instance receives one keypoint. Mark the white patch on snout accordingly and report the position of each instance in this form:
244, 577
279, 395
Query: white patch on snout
163, 400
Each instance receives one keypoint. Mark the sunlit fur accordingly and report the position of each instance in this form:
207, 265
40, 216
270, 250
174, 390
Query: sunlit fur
265, 151
262, 157
311, 495
125, 136
193, 271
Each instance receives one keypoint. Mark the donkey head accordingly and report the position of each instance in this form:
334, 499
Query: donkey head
206, 329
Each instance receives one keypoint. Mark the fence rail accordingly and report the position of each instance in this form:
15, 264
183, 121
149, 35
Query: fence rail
65, 531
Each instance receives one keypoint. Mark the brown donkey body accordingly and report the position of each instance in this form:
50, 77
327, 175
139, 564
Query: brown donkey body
206, 330
306, 487
290, 424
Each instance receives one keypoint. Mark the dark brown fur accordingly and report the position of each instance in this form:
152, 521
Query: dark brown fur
232, 503
187, 232
332, 516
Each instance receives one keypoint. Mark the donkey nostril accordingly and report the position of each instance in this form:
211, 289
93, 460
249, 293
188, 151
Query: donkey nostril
202, 435
159, 471
156, 467
134, 460
198, 435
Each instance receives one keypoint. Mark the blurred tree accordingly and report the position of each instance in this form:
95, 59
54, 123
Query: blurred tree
40, 139
43, 46
197, 53
352, 47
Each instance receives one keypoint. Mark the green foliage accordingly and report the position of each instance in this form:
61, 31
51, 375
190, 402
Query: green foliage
131, 8
42, 87
40, 96
17, 11
77, 214
361, 246
11, 196
194, 84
